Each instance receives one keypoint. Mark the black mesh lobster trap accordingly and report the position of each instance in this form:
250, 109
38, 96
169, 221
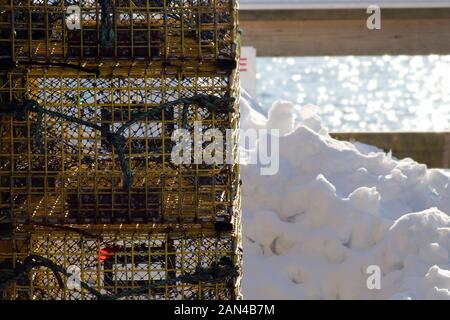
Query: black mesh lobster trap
131, 263
81, 148
103, 30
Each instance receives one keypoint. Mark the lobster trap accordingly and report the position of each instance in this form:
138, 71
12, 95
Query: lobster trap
119, 174
80, 148
130, 262
110, 30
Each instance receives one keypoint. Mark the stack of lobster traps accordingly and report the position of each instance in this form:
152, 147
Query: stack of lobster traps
92, 96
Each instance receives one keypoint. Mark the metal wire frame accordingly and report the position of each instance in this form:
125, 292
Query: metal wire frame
117, 259
36, 30
78, 179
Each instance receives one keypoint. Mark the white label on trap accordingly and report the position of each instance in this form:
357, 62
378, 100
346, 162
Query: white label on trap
247, 66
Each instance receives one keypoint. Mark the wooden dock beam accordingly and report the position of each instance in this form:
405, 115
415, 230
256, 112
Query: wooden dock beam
430, 148
333, 32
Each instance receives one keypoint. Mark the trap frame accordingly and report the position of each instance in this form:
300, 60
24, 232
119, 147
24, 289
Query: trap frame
72, 150
126, 262
88, 189
110, 30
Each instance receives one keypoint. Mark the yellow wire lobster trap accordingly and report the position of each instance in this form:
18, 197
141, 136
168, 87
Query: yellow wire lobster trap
81, 148
34, 31
132, 262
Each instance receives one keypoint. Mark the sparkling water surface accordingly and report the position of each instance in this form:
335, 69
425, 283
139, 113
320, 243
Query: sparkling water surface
387, 93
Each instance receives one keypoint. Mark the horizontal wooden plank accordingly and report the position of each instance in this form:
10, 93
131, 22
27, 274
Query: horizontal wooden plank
344, 32
430, 148
338, 4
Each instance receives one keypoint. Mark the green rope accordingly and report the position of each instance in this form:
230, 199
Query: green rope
31, 262
216, 274
107, 34
35, 261
219, 272
116, 139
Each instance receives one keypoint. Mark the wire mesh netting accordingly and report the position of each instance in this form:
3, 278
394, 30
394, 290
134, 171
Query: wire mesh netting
126, 263
91, 149
94, 203
90, 30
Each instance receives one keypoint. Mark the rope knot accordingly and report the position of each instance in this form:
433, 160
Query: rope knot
116, 140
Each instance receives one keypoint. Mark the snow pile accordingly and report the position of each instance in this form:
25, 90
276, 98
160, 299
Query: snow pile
336, 208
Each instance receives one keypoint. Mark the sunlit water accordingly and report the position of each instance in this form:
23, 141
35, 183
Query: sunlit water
390, 93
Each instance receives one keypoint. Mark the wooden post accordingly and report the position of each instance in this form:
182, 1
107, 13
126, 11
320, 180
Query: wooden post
430, 148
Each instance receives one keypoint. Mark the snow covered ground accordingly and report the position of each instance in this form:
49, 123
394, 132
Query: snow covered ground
336, 208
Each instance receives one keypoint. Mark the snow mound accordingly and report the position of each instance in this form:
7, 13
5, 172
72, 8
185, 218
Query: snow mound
334, 210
